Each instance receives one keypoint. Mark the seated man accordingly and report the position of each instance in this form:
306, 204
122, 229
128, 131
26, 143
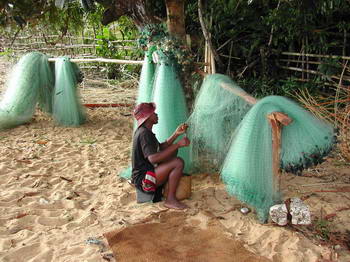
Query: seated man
153, 164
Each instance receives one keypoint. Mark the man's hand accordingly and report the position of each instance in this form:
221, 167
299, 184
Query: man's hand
181, 129
184, 142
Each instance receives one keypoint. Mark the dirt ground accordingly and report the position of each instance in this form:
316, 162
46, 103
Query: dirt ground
60, 193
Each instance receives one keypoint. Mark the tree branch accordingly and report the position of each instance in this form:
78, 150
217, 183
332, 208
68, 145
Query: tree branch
206, 34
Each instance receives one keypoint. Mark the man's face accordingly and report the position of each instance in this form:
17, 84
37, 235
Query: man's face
154, 118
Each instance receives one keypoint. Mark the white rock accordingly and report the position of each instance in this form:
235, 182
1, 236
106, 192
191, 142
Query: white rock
43, 201
278, 214
300, 212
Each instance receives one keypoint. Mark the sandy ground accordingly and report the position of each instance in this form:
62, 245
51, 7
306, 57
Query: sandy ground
59, 193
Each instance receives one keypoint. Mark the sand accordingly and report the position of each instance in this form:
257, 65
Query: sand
60, 193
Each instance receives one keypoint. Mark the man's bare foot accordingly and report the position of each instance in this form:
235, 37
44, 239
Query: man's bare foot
175, 205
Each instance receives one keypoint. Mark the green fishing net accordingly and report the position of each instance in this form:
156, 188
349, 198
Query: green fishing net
46, 92
67, 108
217, 112
230, 134
171, 104
145, 89
31, 79
247, 170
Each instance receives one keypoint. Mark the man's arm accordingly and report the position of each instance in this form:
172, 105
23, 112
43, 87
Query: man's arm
168, 151
181, 129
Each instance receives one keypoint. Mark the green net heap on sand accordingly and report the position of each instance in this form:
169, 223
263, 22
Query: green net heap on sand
31, 79
231, 134
52, 86
218, 110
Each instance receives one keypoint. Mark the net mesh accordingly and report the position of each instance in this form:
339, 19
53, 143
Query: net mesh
247, 170
217, 112
46, 92
145, 89
171, 104
230, 133
67, 108
30, 80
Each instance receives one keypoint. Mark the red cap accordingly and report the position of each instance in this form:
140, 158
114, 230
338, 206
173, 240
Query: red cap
143, 111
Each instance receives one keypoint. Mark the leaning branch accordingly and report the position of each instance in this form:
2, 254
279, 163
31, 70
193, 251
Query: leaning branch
206, 34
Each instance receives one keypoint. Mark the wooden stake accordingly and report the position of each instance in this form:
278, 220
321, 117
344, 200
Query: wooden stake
277, 121
251, 100
212, 62
206, 34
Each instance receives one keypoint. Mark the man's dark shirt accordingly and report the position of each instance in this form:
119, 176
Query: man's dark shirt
144, 144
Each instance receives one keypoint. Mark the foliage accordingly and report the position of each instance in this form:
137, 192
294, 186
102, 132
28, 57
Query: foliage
152, 34
171, 48
322, 228
330, 67
109, 47
6, 52
248, 35
261, 87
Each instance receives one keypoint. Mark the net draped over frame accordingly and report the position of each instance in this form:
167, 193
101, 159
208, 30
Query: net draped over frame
230, 134
67, 108
30, 81
145, 89
169, 97
52, 86
247, 170
217, 112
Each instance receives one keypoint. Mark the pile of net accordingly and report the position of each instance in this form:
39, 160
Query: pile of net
219, 108
247, 170
67, 108
171, 105
31, 79
145, 89
36, 81
230, 132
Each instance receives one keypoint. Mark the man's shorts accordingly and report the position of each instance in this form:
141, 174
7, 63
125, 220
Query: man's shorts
149, 182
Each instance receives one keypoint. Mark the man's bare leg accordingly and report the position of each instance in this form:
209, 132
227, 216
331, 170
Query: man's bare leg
171, 171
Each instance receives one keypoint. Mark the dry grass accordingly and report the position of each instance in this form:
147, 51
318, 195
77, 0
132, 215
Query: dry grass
334, 109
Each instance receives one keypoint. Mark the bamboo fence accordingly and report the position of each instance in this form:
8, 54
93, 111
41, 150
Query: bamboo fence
307, 67
55, 45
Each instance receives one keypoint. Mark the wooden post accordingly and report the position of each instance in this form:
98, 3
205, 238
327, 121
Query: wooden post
277, 121
212, 62
207, 59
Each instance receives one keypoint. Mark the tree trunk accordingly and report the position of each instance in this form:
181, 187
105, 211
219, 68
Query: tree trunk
137, 10
176, 18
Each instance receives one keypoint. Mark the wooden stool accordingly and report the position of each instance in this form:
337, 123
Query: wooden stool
183, 190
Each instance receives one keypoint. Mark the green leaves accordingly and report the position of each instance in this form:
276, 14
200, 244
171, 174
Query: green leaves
59, 3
